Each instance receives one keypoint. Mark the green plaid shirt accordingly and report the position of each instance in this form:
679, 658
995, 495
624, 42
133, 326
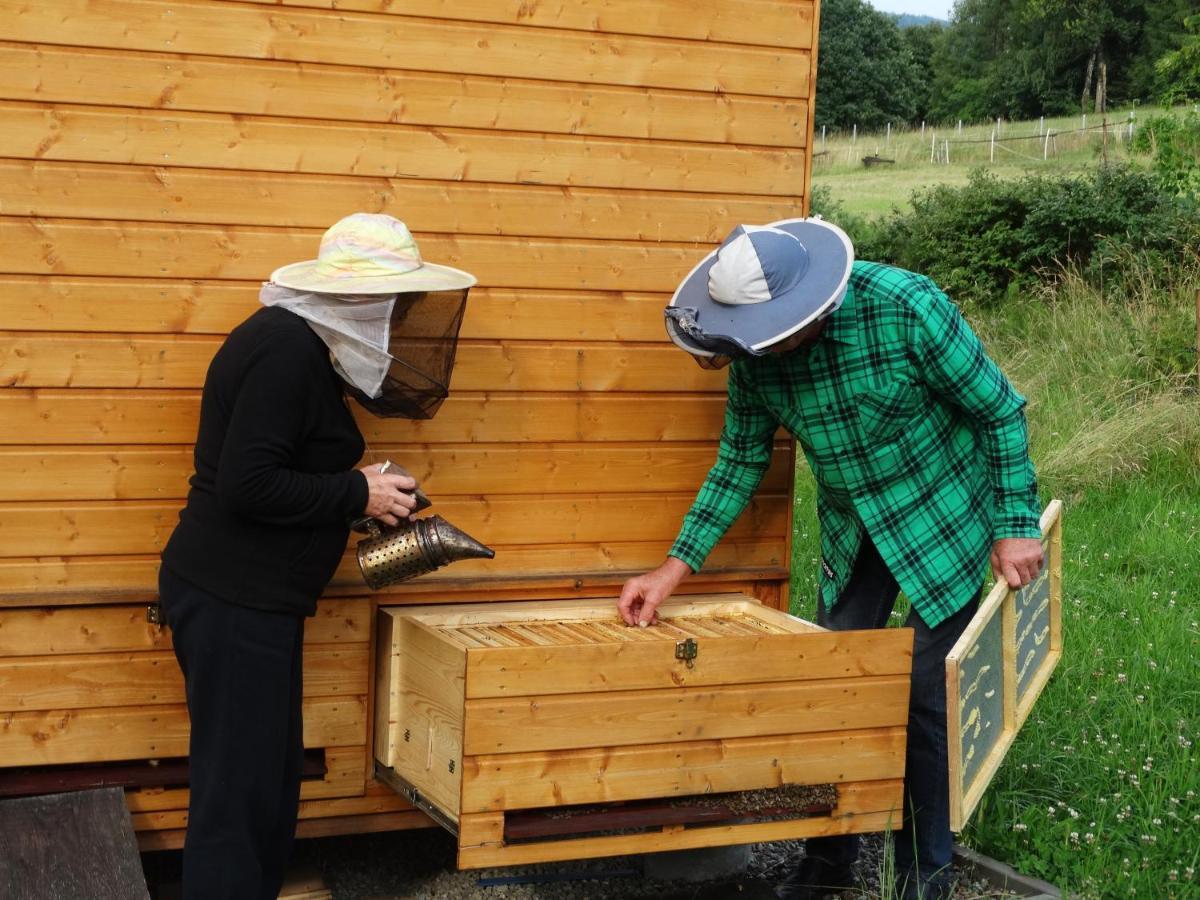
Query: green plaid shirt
913, 434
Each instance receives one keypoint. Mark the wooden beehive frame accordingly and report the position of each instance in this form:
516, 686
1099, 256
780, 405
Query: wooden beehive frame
1019, 682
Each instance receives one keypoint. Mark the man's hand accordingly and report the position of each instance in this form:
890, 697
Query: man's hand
1017, 560
642, 594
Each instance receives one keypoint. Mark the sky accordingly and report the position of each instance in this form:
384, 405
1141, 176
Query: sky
938, 8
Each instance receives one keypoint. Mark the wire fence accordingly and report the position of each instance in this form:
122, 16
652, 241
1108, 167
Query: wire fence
978, 143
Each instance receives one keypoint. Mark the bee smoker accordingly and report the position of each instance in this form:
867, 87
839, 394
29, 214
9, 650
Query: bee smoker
392, 554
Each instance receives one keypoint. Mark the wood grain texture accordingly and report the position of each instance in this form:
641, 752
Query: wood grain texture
45, 73
343, 778
88, 681
181, 361
771, 23
71, 247
209, 140
537, 572
136, 526
207, 196
531, 780
869, 806
100, 735
34, 417
598, 667
42, 303
78, 844
161, 472
246, 32
49, 630
685, 714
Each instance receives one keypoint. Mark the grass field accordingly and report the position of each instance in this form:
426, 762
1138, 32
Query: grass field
872, 191
1101, 792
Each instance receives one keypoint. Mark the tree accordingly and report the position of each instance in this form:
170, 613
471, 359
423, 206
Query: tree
1179, 70
866, 75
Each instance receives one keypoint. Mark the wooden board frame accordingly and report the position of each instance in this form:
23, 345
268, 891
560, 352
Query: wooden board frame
969, 782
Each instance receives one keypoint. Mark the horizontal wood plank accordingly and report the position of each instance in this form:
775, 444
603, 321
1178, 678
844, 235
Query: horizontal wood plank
244, 31
71, 247
589, 667
309, 809
611, 774
102, 735
762, 22
33, 417
103, 305
870, 806
551, 722
156, 473
210, 140
89, 681
181, 361
133, 527
79, 579
308, 90
344, 777
50, 630
205, 196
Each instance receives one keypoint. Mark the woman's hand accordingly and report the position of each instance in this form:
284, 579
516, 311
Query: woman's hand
389, 496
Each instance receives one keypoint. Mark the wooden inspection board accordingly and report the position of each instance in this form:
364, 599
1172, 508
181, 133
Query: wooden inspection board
997, 670
159, 159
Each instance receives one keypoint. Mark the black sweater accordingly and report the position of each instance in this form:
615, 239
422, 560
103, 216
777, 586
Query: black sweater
266, 518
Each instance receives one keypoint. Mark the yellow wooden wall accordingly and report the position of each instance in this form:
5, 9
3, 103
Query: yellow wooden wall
158, 159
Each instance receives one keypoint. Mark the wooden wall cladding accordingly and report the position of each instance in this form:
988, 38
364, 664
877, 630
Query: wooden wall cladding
160, 158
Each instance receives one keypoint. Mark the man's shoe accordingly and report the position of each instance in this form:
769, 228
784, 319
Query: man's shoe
815, 879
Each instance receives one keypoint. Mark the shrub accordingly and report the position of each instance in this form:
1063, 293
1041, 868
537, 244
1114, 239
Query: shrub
1174, 144
990, 238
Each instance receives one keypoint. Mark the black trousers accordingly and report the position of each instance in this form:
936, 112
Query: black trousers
243, 671
924, 845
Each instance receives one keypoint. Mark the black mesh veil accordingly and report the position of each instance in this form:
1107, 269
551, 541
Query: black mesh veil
422, 342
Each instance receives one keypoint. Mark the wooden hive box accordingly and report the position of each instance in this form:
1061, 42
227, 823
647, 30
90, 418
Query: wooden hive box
542, 732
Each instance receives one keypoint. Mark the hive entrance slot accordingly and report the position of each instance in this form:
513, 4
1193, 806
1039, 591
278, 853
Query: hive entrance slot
792, 801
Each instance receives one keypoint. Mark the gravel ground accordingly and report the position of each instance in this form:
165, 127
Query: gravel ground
419, 865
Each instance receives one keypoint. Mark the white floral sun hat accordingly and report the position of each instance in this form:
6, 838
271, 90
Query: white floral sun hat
369, 253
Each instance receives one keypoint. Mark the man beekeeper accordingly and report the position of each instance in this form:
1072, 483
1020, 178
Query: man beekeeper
919, 448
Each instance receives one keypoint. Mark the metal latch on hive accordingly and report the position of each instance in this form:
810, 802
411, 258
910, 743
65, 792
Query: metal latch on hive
688, 651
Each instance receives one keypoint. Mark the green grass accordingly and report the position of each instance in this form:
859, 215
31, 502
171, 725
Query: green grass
871, 192
1100, 794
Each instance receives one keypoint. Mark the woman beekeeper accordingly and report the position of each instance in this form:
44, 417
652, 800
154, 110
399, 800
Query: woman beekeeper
267, 516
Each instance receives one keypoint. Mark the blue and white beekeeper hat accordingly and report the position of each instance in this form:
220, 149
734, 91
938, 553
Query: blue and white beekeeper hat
762, 285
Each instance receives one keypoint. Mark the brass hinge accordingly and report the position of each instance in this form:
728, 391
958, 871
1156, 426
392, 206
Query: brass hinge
687, 651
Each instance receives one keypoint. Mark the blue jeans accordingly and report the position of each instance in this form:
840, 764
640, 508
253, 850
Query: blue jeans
924, 845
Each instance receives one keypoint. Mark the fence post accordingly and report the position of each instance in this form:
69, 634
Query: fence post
960, 127
1083, 126
1042, 125
946, 151
853, 141
932, 145
822, 137
922, 129
1046, 146
887, 141
993, 156
997, 125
